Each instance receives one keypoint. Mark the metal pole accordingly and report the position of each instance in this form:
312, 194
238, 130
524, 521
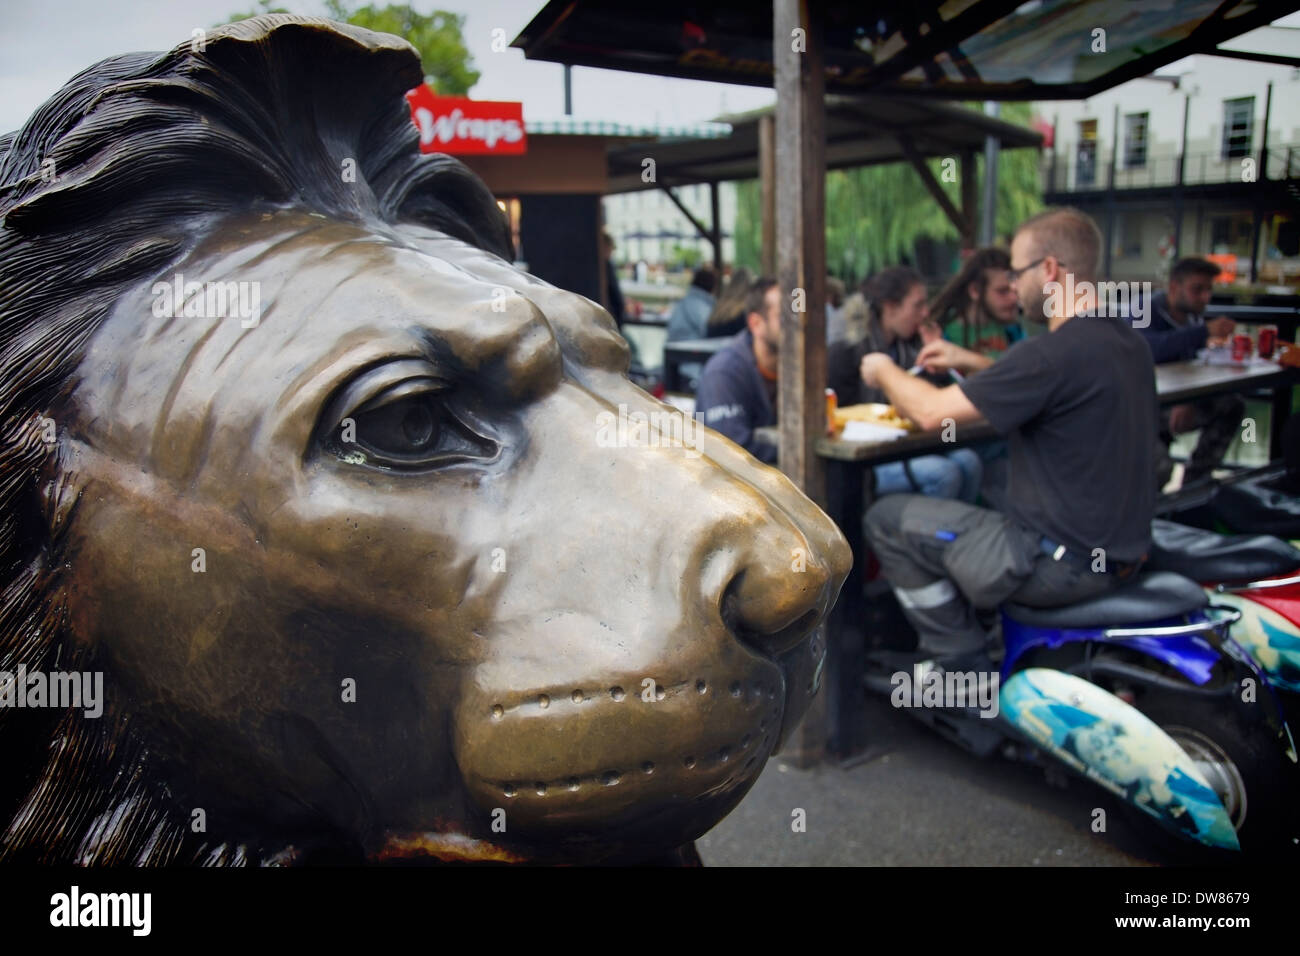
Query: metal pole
1261, 174
568, 90
1056, 118
1110, 197
716, 236
1263, 143
988, 223
1178, 188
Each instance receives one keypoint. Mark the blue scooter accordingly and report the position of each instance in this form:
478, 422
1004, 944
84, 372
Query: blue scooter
1144, 692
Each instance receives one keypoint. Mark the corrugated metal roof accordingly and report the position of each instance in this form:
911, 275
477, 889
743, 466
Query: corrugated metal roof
574, 126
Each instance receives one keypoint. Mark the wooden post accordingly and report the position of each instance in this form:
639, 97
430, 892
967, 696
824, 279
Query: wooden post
800, 168
767, 189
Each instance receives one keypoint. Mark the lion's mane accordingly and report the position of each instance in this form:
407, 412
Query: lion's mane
108, 185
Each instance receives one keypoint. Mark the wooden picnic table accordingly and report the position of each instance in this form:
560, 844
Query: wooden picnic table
847, 493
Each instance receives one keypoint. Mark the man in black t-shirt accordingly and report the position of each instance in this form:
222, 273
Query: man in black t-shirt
1078, 407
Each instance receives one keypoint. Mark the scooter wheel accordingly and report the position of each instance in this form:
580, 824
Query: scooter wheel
1242, 763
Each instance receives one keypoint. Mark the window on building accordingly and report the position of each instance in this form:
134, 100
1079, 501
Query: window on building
1135, 140
1230, 235
1085, 171
1128, 235
1238, 126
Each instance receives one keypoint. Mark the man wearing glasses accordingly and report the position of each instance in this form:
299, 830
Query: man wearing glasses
1078, 407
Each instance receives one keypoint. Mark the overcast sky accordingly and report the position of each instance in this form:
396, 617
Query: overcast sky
43, 43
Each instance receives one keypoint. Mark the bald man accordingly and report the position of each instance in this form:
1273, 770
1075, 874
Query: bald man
1078, 407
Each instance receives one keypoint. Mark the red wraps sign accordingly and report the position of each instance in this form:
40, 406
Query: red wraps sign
453, 124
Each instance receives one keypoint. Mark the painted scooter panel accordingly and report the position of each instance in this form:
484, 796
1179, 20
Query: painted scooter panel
1192, 656
1118, 747
1271, 639
1284, 600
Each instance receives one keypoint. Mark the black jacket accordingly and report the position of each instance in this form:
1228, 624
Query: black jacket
843, 360
1169, 341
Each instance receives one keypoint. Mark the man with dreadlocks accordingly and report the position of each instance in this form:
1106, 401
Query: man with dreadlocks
978, 309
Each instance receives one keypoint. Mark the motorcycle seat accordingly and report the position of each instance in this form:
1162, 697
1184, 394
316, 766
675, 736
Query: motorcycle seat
1152, 595
1207, 556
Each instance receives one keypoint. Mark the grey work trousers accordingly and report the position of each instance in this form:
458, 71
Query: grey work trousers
944, 559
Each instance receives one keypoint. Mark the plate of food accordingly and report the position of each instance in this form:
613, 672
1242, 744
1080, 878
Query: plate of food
873, 413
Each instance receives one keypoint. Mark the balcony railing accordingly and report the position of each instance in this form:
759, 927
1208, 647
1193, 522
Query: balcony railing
1071, 172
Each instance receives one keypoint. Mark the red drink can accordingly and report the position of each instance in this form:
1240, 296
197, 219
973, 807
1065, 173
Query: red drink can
1240, 347
1267, 341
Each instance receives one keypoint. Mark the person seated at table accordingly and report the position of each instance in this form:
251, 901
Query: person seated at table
690, 314
614, 303
978, 308
1177, 329
851, 320
1079, 407
896, 313
728, 315
835, 292
737, 389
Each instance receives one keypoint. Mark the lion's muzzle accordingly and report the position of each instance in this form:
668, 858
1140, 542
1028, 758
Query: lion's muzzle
646, 721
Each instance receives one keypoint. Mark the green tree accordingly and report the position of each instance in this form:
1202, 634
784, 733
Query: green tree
876, 214
685, 257
438, 38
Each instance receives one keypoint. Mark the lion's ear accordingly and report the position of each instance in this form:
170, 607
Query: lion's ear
57, 485
59, 495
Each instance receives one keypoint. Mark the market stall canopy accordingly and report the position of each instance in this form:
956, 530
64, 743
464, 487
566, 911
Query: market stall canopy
860, 131
959, 49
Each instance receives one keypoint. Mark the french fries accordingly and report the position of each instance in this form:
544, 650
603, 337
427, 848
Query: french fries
874, 412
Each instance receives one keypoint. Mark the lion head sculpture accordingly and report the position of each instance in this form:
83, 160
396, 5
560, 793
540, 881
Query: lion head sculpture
359, 580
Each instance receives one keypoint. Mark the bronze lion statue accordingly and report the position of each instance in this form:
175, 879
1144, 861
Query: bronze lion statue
305, 474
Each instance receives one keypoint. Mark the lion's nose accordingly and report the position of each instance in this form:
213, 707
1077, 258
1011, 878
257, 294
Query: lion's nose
776, 593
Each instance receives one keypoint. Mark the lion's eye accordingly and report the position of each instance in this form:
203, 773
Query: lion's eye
407, 426
410, 426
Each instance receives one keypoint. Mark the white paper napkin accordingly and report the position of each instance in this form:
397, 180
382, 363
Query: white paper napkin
870, 431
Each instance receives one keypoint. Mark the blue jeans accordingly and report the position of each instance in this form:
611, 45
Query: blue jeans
956, 474
993, 486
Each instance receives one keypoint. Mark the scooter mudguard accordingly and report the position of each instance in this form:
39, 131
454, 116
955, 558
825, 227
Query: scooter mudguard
1115, 745
1270, 638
